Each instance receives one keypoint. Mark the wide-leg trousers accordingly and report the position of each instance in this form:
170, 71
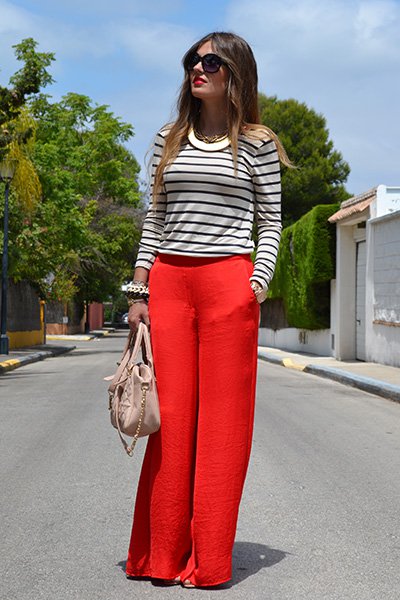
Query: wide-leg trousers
204, 320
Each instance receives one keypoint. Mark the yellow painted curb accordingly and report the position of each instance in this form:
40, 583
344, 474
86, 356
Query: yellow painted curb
10, 364
82, 337
287, 362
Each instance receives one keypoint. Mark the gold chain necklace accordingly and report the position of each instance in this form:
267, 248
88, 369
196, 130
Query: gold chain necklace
210, 139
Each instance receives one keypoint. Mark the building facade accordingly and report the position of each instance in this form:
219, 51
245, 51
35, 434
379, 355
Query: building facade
365, 307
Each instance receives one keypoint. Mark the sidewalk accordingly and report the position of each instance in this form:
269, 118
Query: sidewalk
82, 337
374, 378
25, 356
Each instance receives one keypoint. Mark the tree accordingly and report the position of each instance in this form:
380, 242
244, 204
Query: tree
74, 202
27, 81
321, 172
86, 229
17, 128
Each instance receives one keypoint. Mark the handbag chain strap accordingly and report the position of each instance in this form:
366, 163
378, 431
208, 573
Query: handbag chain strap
145, 386
129, 449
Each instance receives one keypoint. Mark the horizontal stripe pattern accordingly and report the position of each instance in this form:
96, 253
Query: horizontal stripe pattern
206, 209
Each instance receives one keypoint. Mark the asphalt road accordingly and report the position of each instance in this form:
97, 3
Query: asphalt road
319, 518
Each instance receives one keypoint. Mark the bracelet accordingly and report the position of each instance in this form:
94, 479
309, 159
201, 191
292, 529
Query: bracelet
132, 301
136, 286
137, 290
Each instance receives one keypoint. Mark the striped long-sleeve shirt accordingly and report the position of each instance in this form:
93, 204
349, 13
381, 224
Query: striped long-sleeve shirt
203, 209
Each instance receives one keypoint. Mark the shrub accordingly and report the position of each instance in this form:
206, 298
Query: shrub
305, 266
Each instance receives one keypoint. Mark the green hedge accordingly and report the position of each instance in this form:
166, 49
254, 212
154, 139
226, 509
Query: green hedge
305, 266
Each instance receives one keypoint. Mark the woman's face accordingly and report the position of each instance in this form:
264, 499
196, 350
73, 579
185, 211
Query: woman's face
208, 86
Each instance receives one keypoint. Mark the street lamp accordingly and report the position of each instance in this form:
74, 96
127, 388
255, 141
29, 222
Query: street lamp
7, 170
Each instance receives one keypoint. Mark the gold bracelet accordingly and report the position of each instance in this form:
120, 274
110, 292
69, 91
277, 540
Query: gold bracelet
132, 301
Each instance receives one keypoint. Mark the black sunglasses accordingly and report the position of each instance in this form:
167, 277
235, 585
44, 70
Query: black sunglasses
211, 63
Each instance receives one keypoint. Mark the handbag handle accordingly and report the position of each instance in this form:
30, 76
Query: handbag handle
141, 340
133, 342
147, 352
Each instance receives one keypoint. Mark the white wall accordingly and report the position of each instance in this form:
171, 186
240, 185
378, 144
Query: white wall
297, 340
387, 201
383, 290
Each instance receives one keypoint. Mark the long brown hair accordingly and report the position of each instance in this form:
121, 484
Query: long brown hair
243, 115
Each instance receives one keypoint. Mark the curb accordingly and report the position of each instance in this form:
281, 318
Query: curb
82, 337
14, 363
367, 384
76, 337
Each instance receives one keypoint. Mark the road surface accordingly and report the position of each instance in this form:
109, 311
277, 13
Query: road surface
319, 518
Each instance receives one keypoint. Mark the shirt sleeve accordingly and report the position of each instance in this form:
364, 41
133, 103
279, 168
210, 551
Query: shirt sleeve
154, 221
266, 178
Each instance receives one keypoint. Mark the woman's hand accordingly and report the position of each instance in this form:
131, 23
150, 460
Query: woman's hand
259, 292
139, 311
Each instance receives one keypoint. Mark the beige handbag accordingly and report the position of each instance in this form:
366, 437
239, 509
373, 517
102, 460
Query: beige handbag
133, 399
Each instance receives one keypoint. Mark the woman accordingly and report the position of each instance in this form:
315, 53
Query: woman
214, 171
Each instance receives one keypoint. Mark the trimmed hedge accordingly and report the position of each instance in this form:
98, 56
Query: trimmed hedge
305, 266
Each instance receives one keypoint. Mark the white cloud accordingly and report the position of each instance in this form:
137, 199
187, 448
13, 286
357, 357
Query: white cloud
376, 21
117, 9
65, 40
341, 57
156, 45
13, 19
144, 49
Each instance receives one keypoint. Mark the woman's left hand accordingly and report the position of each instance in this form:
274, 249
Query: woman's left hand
259, 292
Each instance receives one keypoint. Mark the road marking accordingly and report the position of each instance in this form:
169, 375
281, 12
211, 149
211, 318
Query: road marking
287, 362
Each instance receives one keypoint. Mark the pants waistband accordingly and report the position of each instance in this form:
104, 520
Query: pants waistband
194, 261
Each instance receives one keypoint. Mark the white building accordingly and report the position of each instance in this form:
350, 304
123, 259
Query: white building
365, 307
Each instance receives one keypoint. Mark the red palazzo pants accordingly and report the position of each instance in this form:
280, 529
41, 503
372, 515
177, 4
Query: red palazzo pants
204, 327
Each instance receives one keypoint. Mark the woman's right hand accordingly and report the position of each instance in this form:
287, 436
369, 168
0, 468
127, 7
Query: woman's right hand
139, 311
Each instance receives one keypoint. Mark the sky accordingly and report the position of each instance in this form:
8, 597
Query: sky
340, 57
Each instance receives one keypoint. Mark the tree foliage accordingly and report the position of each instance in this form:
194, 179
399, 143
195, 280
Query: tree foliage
26, 184
30, 79
321, 172
85, 225
74, 199
17, 128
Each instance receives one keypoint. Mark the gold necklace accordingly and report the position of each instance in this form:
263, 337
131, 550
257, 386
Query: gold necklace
207, 146
210, 139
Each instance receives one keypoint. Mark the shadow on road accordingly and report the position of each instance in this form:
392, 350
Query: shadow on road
248, 558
